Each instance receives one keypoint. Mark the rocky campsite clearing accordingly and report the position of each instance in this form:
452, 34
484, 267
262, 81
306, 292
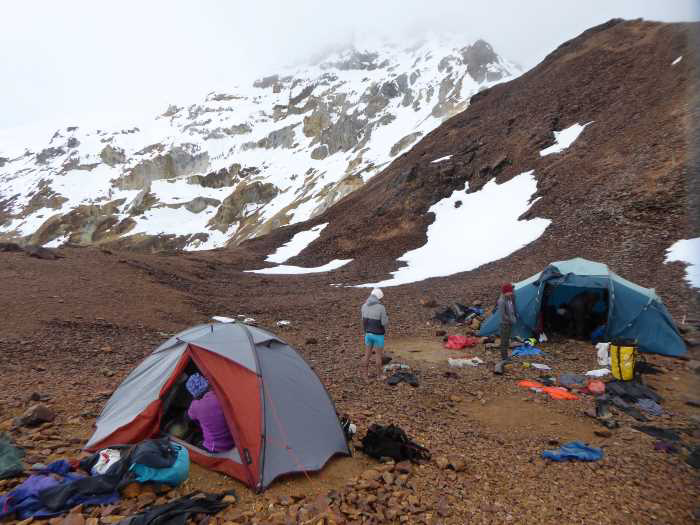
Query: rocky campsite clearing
69, 346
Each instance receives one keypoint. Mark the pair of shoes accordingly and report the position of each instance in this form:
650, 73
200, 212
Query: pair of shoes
402, 375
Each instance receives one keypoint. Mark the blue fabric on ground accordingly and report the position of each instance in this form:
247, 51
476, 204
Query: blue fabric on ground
526, 351
375, 340
24, 500
173, 475
575, 450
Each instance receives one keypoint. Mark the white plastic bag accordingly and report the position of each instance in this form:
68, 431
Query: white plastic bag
543, 337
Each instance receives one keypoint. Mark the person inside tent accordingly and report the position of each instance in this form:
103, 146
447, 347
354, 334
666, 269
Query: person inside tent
374, 323
206, 410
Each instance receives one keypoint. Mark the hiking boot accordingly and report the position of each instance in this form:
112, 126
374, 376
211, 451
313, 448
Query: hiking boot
602, 408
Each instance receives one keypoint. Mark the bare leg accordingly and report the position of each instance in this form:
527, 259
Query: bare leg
378, 354
365, 360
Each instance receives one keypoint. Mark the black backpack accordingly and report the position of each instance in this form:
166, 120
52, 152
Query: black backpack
392, 442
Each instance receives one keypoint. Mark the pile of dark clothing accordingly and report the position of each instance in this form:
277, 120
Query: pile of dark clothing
179, 511
392, 442
634, 398
58, 487
458, 313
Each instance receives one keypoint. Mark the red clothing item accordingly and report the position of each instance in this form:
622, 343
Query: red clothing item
208, 412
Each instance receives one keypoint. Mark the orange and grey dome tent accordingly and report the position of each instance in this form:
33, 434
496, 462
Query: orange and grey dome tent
280, 415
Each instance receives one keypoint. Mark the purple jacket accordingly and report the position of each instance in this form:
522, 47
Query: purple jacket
208, 412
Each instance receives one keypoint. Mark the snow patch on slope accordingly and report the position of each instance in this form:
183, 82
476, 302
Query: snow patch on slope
447, 157
687, 251
284, 269
564, 139
483, 228
296, 244
677, 60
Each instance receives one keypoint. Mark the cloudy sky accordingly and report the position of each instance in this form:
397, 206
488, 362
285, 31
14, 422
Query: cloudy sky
73, 61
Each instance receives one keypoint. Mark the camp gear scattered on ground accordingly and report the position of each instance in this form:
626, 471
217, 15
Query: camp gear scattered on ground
572, 380
601, 372
649, 407
526, 351
457, 342
107, 458
395, 366
574, 451
558, 392
403, 375
172, 475
622, 360
540, 366
634, 312
56, 489
179, 511
458, 313
10, 458
632, 391
459, 363
280, 415
665, 446
603, 351
665, 434
392, 442
628, 409
527, 383
349, 428
596, 387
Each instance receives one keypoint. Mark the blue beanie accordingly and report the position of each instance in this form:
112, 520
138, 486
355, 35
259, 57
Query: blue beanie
197, 385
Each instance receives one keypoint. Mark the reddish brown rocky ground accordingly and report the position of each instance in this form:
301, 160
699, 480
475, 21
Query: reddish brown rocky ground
74, 327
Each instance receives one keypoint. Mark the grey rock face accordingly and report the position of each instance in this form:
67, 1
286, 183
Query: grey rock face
404, 143
49, 153
320, 152
266, 82
355, 60
280, 138
179, 161
233, 207
217, 179
477, 57
344, 134
112, 156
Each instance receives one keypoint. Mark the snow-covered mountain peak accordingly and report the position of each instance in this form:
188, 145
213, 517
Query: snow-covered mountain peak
245, 161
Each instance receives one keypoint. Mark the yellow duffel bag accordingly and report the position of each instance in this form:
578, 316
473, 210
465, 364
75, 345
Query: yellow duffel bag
623, 355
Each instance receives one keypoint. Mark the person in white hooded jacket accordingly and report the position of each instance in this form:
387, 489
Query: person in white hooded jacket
374, 324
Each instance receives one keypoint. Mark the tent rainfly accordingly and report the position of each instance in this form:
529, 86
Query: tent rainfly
279, 414
634, 312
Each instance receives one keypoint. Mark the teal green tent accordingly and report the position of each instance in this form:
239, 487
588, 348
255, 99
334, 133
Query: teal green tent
633, 312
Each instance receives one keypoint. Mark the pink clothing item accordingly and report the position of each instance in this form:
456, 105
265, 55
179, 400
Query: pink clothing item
208, 412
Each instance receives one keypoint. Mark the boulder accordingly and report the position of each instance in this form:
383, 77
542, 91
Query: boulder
35, 415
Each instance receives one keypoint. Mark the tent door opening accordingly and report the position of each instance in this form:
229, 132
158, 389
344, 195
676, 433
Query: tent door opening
576, 312
175, 421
